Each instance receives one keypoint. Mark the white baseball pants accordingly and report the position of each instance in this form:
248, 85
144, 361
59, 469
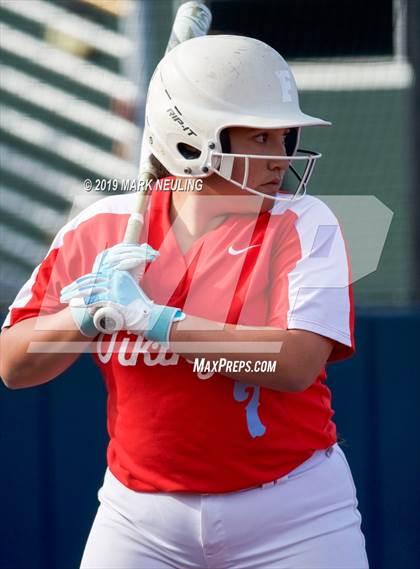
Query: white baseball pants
305, 520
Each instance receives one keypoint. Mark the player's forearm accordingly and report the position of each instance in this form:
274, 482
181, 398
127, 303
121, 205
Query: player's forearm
36, 350
200, 338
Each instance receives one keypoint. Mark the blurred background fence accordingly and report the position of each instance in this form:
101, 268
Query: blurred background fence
73, 78
73, 81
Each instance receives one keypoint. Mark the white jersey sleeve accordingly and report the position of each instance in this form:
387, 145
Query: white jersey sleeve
318, 280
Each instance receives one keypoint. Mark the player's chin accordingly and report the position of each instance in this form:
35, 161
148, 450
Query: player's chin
269, 190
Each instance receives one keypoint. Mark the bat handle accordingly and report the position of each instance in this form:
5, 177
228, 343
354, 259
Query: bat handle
133, 229
108, 319
136, 219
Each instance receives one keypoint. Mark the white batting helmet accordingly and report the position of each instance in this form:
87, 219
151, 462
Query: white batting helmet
210, 83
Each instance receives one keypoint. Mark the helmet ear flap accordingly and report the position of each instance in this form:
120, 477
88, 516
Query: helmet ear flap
292, 141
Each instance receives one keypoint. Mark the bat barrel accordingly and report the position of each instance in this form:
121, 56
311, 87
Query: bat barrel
192, 20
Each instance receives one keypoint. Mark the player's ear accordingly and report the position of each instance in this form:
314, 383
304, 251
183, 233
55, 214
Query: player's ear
225, 141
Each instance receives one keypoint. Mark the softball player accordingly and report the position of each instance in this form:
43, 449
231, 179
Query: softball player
223, 465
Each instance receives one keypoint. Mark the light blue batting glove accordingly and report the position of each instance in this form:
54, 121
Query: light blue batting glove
117, 291
131, 257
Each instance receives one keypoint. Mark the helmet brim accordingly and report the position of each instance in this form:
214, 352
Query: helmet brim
261, 122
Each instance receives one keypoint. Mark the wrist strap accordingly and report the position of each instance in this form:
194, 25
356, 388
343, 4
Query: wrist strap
160, 321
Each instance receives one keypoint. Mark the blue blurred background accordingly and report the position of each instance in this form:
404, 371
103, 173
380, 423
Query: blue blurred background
73, 79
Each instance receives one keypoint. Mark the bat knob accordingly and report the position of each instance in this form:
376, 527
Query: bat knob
108, 320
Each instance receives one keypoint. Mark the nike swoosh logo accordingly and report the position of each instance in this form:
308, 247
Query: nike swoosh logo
233, 251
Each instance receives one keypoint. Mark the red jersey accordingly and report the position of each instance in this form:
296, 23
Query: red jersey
172, 429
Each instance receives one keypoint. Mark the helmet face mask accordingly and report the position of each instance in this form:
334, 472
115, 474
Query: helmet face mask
209, 84
224, 163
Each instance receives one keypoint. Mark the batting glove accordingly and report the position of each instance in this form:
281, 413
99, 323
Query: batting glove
129, 257
124, 256
118, 291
